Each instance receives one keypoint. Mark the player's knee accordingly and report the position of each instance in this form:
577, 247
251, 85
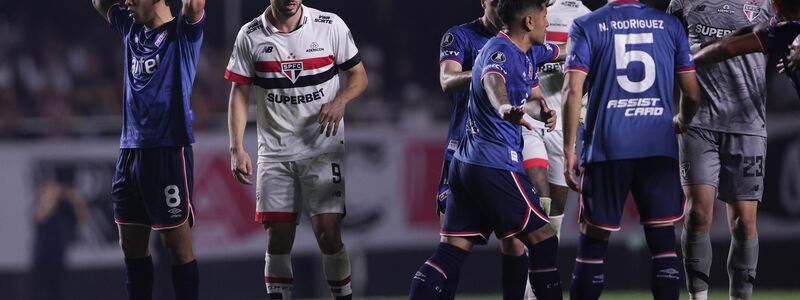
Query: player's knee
179, 255
512, 247
133, 248
595, 232
329, 241
699, 219
744, 227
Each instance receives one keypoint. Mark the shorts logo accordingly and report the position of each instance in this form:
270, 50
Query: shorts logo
175, 211
498, 57
447, 39
292, 70
514, 156
751, 10
685, 169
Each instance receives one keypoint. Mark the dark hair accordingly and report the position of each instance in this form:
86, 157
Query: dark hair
511, 10
790, 6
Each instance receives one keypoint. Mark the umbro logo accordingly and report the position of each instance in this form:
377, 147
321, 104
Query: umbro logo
175, 211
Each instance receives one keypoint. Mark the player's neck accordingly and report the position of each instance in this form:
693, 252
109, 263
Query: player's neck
162, 16
282, 22
488, 25
520, 39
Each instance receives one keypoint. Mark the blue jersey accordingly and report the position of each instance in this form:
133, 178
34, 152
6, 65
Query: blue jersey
630, 53
775, 40
462, 44
160, 66
491, 141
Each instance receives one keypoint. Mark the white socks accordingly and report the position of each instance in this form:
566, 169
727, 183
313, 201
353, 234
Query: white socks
337, 272
278, 275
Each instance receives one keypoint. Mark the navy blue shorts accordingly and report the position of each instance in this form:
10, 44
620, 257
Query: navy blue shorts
484, 200
655, 183
444, 189
153, 187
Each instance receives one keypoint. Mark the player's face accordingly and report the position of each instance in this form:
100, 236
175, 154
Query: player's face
286, 8
490, 11
142, 11
537, 24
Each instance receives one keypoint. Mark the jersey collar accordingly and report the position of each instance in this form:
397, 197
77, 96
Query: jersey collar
271, 29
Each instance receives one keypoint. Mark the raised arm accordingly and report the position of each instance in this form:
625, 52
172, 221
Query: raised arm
332, 112
452, 78
102, 6
194, 10
241, 165
573, 93
728, 47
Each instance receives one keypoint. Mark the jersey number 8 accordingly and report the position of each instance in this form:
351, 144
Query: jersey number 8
625, 58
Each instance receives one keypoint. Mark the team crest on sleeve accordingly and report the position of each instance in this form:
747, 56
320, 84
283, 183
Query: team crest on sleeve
292, 70
751, 9
448, 39
498, 57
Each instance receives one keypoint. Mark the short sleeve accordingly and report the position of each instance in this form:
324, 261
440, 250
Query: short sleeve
580, 54
498, 63
535, 82
345, 51
542, 54
240, 66
119, 20
452, 47
192, 31
683, 54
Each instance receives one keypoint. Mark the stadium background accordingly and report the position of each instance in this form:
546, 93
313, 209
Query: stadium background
60, 82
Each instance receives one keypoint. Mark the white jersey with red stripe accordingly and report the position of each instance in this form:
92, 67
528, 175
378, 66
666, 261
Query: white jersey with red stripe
293, 75
560, 15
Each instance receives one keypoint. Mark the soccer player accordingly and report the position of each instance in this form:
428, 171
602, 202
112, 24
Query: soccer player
543, 152
722, 152
459, 48
292, 54
629, 56
152, 186
773, 39
487, 193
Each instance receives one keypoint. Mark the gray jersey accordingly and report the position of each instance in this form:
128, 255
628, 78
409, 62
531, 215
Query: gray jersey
734, 92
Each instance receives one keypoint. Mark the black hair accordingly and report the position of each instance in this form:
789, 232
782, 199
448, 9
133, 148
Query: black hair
511, 10
790, 6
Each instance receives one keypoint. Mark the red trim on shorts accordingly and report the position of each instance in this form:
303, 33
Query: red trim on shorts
190, 211
339, 283
670, 218
282, 280
275, 216
535, 163
582, 218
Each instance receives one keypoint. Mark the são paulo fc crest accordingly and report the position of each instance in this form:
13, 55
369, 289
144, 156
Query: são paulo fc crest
751, 9
292, 70
498, 57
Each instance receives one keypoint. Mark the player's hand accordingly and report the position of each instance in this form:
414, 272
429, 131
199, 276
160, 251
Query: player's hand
680, 126
330, 115
572, 170
781, 66
514, 115
794, 58
548, 116
241, 166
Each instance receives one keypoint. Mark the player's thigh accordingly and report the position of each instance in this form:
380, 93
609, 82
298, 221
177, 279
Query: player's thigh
444, 189
605, 186
743, 158
657, 190
534, 153
464, 218
554, 143
699, 157
128, 204
322, 184
277, 192
509, 201
164, 179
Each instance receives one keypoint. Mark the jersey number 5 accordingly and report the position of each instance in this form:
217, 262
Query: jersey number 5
625, 58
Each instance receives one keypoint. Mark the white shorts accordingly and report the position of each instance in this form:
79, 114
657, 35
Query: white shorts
545, 150
285, 189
